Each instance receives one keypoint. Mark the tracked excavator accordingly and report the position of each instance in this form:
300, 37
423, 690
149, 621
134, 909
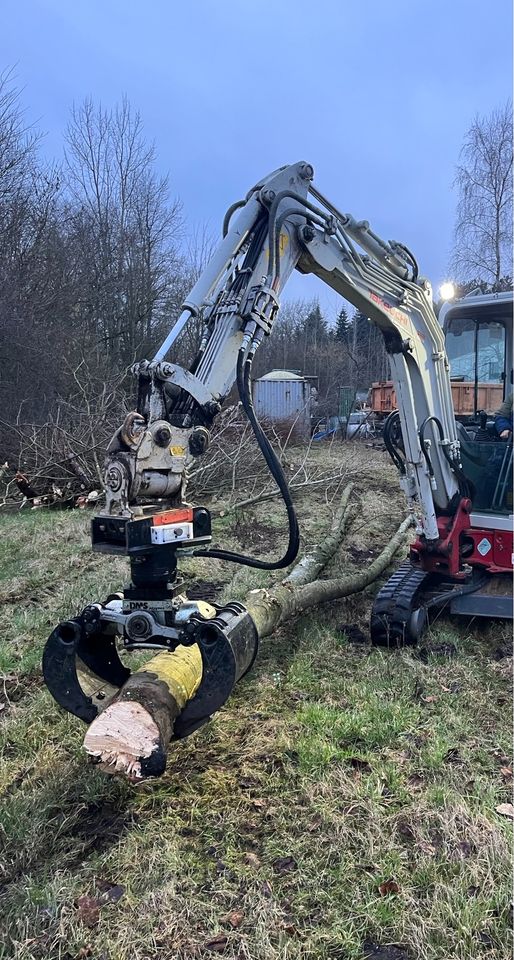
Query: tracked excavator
455, 480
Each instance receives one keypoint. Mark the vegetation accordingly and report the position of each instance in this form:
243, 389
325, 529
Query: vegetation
96, 258
483, 228
344, 800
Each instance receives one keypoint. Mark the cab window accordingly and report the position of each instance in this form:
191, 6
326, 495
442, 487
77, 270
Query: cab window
466, 340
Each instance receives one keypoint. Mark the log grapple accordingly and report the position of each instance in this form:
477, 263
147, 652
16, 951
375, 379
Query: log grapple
152, 613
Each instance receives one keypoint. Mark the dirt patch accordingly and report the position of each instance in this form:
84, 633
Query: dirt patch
101, 825
252, 532
353, 633
208, 590
20, 596
373, 951
360, 556
446, 650
15, 688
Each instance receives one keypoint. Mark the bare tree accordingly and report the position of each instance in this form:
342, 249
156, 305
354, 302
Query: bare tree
34, 285
17, 141
483, 230
90, 272
126, 227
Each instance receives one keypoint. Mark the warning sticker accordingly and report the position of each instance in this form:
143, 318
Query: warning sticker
484, 546
283, 244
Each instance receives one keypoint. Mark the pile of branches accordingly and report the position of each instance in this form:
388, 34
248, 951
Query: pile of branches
234, 472
60, 462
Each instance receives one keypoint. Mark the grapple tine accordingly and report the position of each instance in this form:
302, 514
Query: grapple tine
67, 643
98, 652
60, 671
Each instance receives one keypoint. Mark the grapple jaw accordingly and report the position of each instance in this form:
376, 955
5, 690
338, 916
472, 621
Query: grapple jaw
151, 614
69, 644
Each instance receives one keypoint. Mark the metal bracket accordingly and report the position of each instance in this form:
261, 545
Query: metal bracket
172, 373
262, 306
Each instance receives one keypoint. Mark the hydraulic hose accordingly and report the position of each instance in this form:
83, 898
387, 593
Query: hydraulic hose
243, 384
466, 488
392, 422
441, 599
410, 257
228, 216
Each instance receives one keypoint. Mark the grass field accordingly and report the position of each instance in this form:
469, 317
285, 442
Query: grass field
342, 805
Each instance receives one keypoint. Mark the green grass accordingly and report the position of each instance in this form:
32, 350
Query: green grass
361, 765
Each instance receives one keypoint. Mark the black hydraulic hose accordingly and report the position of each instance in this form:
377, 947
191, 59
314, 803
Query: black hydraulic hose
275, 467
422, 441
391, 422
187, 404
274, 261
274, 255
273, 215
228, 216
465, 487
442, 599
410, 256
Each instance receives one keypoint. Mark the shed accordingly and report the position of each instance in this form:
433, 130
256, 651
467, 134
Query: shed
287, 396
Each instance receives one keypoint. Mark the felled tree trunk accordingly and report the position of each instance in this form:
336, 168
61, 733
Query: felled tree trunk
313, 563
132, 734
270, 608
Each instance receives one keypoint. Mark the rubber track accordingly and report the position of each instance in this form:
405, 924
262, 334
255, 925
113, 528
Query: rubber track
394, 605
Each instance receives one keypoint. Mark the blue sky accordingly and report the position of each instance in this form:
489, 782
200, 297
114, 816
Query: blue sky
376, 95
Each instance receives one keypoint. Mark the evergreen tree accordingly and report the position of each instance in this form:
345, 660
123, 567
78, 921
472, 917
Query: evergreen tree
360, 332
316, 328
343, 326
367, 347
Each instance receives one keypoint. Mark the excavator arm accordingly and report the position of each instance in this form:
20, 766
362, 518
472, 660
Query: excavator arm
236, 299
283, 223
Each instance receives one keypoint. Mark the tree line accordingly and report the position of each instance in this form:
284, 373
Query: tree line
96, 258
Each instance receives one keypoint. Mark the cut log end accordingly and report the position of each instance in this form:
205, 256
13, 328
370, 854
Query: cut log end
132, 734
125, 739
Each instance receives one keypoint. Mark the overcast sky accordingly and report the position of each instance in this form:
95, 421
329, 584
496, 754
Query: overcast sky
376, 95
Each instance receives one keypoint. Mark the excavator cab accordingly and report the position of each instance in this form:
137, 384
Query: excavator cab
470, 573
479, 344
478, 332
489, 468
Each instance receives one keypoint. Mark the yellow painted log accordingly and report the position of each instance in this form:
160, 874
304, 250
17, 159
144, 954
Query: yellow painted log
181, 671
